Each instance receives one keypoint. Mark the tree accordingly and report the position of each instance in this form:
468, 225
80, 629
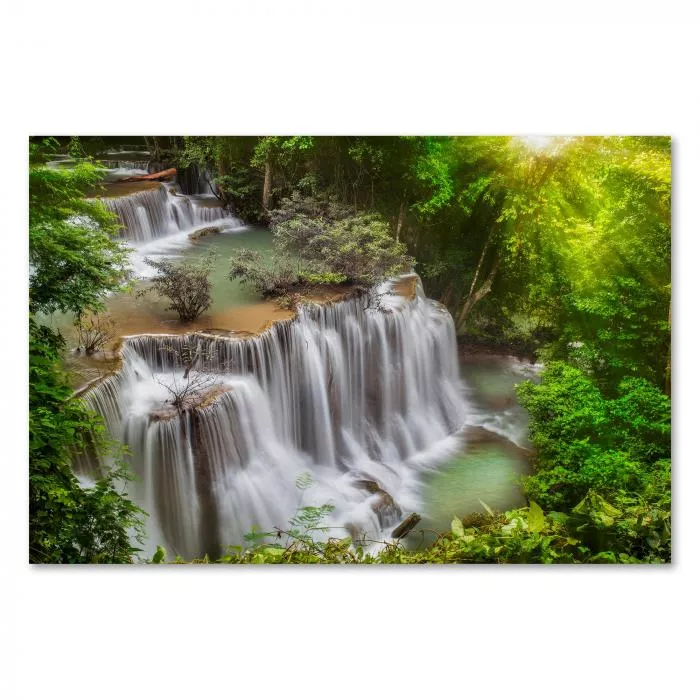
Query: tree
584, 440
73, 259
186, 284
74, 264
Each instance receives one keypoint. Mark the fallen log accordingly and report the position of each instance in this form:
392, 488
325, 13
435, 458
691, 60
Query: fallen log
161, 175
405, 526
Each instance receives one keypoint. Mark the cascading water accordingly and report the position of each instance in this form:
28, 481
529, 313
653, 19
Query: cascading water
363, 395
162, 211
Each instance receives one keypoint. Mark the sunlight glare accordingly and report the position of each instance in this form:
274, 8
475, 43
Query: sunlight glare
537, 143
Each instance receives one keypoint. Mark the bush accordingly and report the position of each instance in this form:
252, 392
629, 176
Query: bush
185, 283
361, 249
93, 331
632, 530
318, 240
274, 277
585, 441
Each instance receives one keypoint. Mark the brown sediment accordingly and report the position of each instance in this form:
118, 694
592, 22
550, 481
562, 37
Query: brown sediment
246, 321
250, 319
104, 363
121, 189
322, 293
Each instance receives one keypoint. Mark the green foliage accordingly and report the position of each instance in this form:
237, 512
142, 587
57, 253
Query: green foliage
284, 151
199, 150
323, 277
70, 524
318, 240
74, 263
268, 277
75, 148
360, 249
185, 283
632, 531
73, 260
560, 246
586, 441
605, 458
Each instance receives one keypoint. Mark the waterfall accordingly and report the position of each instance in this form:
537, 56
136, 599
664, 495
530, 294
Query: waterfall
153, 213
363, 394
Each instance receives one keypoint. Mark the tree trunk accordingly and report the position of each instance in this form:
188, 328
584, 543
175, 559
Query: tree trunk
477, 295
405, 526
161, 175
446, 297
153, 147
402, 217
667, 387
267, 185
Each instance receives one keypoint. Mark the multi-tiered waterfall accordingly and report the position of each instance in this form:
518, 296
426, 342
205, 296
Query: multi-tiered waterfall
162, 211
361, 396
157, 220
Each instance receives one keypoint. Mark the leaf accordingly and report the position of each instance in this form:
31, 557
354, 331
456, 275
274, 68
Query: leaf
457, 527
535, 518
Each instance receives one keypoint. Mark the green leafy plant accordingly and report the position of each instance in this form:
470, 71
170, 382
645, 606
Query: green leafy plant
186, 284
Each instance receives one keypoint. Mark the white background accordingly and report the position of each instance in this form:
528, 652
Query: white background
348, 67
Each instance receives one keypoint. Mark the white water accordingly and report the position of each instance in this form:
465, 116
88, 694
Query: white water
349, 393
163, 211
156, 223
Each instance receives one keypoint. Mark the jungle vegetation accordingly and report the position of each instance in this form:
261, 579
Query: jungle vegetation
557, 247
74, 262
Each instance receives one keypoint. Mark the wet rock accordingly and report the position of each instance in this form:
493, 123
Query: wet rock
196, 401
202, 232
383, 504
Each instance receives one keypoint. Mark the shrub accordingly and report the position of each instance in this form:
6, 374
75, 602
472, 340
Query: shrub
318, 240
585, 441
186, 284
273, 277
93, 331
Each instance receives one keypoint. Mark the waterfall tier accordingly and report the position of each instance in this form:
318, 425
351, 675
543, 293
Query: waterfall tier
363, 395
161, 211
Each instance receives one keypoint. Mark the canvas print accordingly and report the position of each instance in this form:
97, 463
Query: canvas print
349, 349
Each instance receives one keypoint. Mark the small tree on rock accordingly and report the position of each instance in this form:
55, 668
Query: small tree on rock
186, 392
